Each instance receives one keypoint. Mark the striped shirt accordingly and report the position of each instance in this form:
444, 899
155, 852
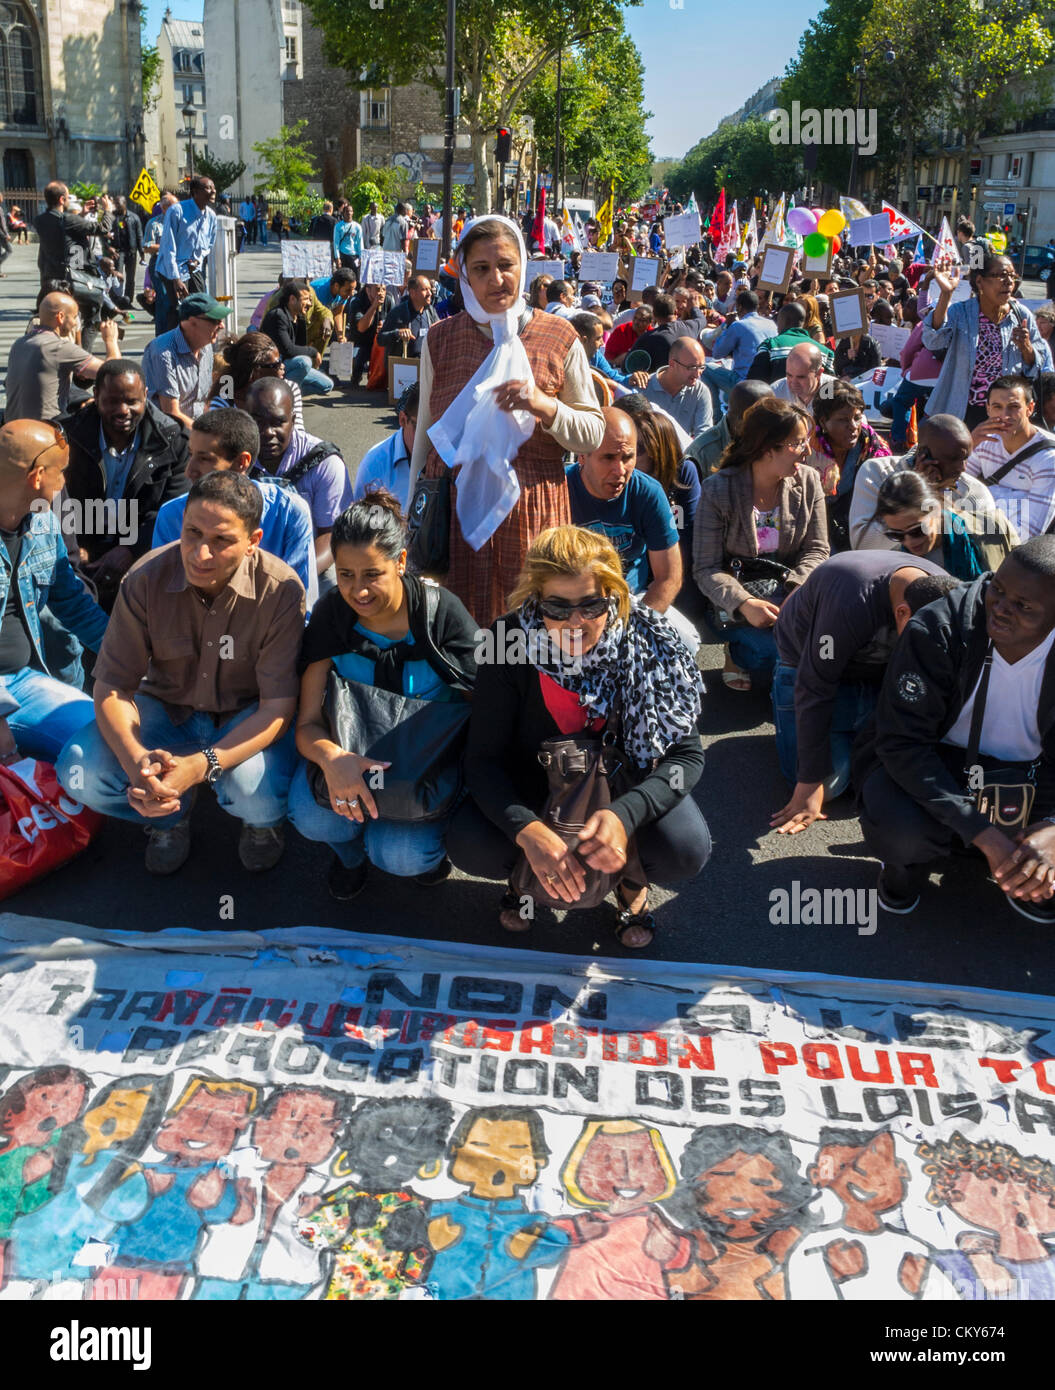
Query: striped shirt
1025, 494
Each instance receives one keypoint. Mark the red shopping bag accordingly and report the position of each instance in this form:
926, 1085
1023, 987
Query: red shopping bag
41, 826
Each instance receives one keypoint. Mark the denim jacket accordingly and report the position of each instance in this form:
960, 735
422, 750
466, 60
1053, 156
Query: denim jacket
45, 576
958, 335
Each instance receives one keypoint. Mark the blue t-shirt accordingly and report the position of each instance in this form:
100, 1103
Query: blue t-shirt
637, 521
419, 679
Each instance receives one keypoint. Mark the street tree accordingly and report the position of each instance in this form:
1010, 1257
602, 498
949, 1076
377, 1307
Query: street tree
223, 172
500, 48
287, 162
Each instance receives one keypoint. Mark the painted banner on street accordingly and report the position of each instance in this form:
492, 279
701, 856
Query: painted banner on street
311, 1114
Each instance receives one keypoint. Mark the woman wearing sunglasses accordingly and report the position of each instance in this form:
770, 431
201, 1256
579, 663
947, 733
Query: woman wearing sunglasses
984, 337
250, 357
577, 646
915, 518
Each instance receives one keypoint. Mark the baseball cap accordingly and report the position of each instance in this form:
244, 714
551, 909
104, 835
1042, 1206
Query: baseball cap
202, 306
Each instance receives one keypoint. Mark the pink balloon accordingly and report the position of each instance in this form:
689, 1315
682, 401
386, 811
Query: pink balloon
802, 221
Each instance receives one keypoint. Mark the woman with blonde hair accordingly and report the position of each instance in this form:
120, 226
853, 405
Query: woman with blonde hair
577, 655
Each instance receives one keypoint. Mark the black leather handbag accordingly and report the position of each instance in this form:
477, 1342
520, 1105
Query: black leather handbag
761, 578
422, 739
1003, 792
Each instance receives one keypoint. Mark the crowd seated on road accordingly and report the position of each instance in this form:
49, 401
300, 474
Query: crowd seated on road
197, 593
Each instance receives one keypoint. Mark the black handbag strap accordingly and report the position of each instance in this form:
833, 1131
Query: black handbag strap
1020, 457
974, 740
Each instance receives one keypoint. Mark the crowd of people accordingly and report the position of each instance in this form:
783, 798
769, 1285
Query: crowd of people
404, 655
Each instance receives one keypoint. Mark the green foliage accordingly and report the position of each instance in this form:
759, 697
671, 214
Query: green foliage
362, 194
288, 163
302, 209
150, 67
741, 158
223, 172
500, 48
602, 117
84, 190
822, 76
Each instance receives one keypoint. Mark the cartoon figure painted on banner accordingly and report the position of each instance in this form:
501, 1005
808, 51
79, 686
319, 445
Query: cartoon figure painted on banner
34, 1115
861, 1256
178, 1198
487, 1243
616, 1168
1009, 1197
741, 1203
96, 1153
375, 1225
294, 1132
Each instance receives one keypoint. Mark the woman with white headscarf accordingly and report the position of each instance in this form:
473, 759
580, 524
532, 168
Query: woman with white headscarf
509, 482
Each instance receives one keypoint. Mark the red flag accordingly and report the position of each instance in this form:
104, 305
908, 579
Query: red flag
538, 231
717, 228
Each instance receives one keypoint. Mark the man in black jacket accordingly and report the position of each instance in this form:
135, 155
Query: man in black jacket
59, 232
922, 798
286, 326
128, 242
406, 326
834, 637
127, 458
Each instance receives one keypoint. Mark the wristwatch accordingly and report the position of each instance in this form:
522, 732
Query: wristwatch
215, 771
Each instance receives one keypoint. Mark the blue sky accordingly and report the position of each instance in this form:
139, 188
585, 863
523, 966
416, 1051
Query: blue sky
699, 66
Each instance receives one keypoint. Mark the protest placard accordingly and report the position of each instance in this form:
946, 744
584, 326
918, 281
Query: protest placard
383, 268
306, 260
683, 230
644, 272
777, 265
890, 337
536, 268
848, 312
425, 257
599, 265
869, 231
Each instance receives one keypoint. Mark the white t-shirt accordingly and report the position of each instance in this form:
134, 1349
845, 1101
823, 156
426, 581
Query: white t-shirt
1026, 493
884, 1251
1009, 730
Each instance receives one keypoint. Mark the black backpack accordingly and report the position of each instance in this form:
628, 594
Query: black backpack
301, 468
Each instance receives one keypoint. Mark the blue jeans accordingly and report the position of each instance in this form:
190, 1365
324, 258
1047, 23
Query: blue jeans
719, 380
49, 713
854, 705
307, 377
401, 848
261, 226
255, 791
753, 649
905, 397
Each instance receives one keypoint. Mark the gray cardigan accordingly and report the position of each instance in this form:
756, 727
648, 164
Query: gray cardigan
958, 335
724, 529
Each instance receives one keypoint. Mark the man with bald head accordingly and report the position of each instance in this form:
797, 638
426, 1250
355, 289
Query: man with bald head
37, 712
940, 457
679, 390
610, 496
834, 637
706, 449
804, 370
43, 361
293, 458
772, 356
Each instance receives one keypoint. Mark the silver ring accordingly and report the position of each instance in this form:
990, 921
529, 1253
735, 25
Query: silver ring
354, 801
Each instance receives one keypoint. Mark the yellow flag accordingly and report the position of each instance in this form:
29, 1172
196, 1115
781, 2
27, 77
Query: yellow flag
146, 192
604, 222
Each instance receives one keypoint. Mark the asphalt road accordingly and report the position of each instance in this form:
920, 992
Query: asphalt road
962, 933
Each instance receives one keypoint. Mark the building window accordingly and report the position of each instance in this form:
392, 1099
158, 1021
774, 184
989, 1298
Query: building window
188, 93
19, 69
291, 48
373, 108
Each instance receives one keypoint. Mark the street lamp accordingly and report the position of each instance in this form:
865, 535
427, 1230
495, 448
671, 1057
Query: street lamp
861, 72
190, 116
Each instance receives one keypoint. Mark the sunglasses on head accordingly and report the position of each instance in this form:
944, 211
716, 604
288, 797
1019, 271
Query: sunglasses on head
557, 609
61, 440
914, 533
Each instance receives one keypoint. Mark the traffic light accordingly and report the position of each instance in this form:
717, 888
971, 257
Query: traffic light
504, 145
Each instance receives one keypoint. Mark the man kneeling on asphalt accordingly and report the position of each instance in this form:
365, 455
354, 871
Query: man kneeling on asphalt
834, 637
196, 682
965, 730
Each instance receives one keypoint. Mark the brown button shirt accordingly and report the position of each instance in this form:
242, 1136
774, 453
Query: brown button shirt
165, 640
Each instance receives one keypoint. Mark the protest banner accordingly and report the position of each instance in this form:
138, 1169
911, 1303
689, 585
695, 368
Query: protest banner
425, 257
644, 271
221, 1104
306, 260
145, 191
534, 269
683, 230
383, 268
602, 266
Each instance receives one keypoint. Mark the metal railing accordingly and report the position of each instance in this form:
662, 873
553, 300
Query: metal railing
30, 201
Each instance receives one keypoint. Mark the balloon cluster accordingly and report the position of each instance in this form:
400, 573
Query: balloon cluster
817, 228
